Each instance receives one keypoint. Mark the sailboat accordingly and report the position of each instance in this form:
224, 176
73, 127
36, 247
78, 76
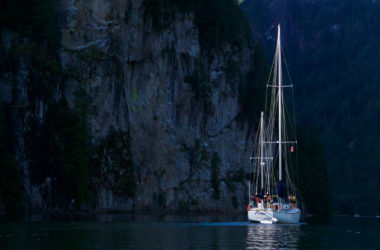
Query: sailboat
271, 196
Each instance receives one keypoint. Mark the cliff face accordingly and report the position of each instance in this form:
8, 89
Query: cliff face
159, 109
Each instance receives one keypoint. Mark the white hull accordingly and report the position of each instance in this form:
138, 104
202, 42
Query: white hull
258, 215
291, 216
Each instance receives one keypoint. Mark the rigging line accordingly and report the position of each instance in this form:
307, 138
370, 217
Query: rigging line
252, 175
272, 112
266, 92
293, 129
289, 122
291, 83
294, 117
295, 135
256, 139
289, 180
287, 159
286, 66
255, 142
274, 77
287, 70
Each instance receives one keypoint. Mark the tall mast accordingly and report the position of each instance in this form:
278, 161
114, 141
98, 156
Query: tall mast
279, 104
262, 149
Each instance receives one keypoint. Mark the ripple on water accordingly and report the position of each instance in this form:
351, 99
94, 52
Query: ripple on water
273, 236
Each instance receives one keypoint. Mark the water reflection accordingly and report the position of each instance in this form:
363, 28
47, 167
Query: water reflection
276, 236
187, 232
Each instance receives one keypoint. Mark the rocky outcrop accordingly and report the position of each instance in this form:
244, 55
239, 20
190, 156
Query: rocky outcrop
161, 110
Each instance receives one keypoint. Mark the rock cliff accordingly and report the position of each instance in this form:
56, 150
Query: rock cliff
159, 111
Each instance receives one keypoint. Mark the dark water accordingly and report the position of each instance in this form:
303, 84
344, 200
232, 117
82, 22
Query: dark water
186, 232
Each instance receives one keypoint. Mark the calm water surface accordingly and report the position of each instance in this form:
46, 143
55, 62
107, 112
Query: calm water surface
185, 232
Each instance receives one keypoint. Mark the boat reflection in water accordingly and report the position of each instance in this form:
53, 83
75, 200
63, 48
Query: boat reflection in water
271, 236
